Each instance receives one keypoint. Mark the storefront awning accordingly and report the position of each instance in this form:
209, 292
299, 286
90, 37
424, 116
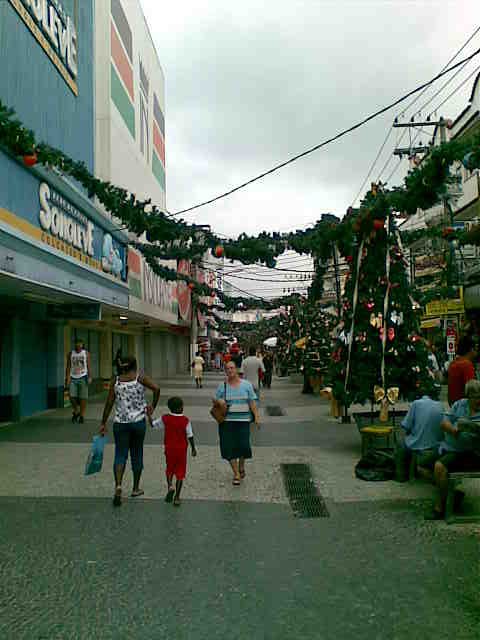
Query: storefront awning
431, 323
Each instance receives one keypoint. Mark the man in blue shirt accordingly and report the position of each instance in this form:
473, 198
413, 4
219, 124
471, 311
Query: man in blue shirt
423, 433
459, 451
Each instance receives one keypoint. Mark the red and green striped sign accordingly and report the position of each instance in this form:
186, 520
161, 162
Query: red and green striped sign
158, 159
122, 86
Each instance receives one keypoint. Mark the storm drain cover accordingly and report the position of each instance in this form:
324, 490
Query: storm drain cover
274, 410
303, 495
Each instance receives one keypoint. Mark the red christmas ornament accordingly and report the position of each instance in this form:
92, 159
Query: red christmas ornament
191, 286
447, 231
378, 224
369, 305
219, 251
213, 294
30, 159
391, 333
349, 258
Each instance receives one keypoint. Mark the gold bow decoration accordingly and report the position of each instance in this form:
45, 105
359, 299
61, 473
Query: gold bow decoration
385, 398
302, 343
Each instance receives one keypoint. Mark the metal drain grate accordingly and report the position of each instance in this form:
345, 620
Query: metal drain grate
274, 410
304, 497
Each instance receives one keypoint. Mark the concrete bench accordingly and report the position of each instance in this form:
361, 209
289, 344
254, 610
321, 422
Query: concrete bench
454, 479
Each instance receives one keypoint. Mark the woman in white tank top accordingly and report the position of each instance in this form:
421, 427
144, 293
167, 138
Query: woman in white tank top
127, 394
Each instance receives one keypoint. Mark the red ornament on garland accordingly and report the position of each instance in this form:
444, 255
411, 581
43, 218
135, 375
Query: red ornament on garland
349, 259
378, 224
30, 159
447, 231
191, 286
219, 251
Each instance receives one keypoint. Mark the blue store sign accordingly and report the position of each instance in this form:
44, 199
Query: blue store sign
56, 216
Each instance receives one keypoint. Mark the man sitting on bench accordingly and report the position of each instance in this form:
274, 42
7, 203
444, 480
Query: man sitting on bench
459, 451
423, 436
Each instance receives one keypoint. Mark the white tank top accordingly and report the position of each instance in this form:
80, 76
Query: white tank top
78, 364
130, 401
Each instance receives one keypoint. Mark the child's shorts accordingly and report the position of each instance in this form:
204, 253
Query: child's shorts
176, 463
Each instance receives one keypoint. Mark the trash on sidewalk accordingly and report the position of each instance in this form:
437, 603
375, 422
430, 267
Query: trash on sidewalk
376, 466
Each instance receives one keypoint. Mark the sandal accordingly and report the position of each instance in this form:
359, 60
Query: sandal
242, 474
177, 502
117, 498
136, 494
236, 482
169, 496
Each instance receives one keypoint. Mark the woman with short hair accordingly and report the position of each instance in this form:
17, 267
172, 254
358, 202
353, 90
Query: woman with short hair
127, 394
234, 432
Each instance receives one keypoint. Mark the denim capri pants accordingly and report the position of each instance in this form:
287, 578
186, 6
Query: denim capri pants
129, 436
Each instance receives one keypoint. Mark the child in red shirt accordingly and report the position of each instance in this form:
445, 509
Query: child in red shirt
178, 433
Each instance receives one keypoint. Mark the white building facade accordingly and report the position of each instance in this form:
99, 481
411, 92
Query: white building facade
130, 152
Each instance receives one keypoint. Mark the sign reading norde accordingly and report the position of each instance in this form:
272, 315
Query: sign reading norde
56, 33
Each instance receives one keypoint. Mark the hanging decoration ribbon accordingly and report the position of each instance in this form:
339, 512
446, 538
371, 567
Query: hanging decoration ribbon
385, 398
354, 307
386, 300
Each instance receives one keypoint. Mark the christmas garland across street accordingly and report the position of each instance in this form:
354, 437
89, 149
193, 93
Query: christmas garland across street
170, 238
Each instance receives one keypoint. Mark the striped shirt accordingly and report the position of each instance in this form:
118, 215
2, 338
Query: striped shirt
238, 400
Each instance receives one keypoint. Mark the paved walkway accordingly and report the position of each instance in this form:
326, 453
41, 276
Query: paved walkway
231, 562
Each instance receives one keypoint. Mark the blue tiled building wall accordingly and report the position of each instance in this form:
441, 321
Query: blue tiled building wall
31, 84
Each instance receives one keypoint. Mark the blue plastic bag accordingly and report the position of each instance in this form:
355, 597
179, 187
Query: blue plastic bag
95, 457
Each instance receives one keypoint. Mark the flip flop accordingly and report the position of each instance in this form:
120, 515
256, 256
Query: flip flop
136, 494
169, 496
236, 482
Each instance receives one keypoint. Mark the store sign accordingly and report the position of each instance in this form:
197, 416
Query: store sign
159, 292
62, 220
444, 307
428, 265
451, 346
55, 31
66, 229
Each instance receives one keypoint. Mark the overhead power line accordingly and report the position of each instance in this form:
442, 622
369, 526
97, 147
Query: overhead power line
402, 113
339, 135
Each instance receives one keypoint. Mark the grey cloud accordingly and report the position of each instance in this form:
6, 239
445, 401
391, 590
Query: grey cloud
249, 86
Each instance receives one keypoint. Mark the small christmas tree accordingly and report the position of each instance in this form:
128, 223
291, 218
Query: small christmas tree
379, 344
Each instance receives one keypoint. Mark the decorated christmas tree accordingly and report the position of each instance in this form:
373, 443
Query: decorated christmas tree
379, 345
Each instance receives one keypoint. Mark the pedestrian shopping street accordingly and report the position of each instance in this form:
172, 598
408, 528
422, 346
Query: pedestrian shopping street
232, 561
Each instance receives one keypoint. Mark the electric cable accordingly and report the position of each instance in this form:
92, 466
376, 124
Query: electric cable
334, 138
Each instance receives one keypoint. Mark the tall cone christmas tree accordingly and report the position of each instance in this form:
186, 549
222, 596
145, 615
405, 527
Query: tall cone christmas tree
379, 345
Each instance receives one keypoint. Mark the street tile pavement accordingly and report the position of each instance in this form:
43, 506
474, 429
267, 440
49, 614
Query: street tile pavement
231, 562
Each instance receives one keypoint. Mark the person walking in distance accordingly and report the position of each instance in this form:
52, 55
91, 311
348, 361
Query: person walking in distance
197, 364
178, 433
461, 370
127, 394
77, 379
251, 367
268, 364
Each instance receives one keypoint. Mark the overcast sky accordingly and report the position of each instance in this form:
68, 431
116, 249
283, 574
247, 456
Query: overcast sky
249, 84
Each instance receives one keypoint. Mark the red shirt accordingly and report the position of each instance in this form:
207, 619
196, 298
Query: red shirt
175, 431
459, 373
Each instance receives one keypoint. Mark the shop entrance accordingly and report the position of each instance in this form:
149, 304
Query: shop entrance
33, 368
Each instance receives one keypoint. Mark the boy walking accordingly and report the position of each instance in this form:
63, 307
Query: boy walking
178, 433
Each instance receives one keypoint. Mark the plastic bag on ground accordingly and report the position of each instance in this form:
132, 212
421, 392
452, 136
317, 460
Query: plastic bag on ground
376, 466
95, 456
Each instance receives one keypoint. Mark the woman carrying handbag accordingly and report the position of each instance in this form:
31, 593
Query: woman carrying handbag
233, 409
